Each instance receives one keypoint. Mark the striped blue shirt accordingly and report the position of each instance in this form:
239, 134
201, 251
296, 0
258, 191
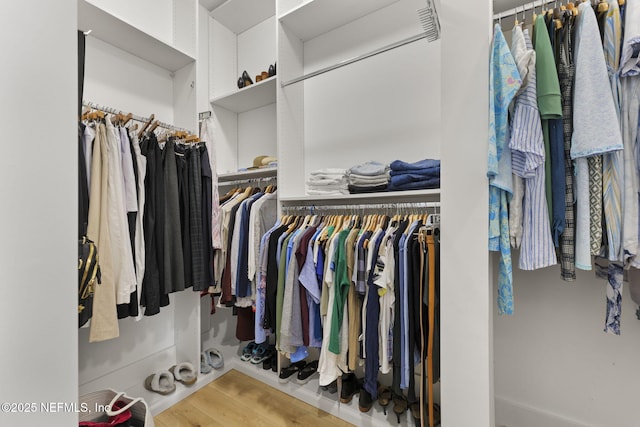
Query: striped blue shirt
527, 145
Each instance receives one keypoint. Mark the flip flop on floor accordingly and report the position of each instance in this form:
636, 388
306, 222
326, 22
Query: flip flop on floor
161, 382
214, 358
185, 373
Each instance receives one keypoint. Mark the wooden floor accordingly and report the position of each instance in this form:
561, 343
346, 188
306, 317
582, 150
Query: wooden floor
236, 399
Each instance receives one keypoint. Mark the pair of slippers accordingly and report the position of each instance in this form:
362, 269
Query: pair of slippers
210, 359
164, 382
302, 370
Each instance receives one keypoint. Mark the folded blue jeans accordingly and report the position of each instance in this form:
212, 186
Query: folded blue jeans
416, 185
399, 165
410, 177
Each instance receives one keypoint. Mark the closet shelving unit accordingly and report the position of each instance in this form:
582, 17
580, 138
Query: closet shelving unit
116, 31
242, 37
337, 119
311, 35
160, 70
247, 175
313, 18
382, 197
354, 113
248, 98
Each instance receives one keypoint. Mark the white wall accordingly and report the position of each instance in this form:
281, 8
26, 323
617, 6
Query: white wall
38, 219
383, 108
256, 134
257, 48
202, 84
120, 80
552, 358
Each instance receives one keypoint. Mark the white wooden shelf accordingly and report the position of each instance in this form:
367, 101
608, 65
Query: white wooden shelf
382, 197
211, 4
317, 17
250, 174
240, 15
123, 35
248, 98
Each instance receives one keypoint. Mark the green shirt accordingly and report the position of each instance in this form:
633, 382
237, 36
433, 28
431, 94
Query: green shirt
548, 93
341, 289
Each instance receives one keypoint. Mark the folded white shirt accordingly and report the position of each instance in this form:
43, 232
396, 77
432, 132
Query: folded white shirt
329, 171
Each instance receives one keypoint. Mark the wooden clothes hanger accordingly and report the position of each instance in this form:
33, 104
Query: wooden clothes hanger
146, 125
95, 115
603, 6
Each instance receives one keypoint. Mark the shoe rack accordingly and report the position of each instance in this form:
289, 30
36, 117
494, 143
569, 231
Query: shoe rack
242, 39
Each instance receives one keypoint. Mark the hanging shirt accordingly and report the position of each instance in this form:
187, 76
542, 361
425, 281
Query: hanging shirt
261, 288
309, 279
405, 355
88, 136
328, 361
372, 361
385, 283
341, 288
264, 213
206, 135
128, 176
140, 253
565, 75
595, 125
613, 163
548, 91
125, 277
527, 144
504, 82
630, 60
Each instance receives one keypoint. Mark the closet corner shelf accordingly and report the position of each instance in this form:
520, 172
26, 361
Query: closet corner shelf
248, 98
123, 35
250, 174
240, 15
354, 199
317, 17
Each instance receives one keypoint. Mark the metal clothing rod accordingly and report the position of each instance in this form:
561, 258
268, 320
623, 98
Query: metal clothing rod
355, 59
247, 180
135, 117
521, 9
379, 206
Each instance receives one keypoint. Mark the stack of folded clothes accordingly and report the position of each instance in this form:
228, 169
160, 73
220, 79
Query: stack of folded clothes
327, 182
421, 175
368, 177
